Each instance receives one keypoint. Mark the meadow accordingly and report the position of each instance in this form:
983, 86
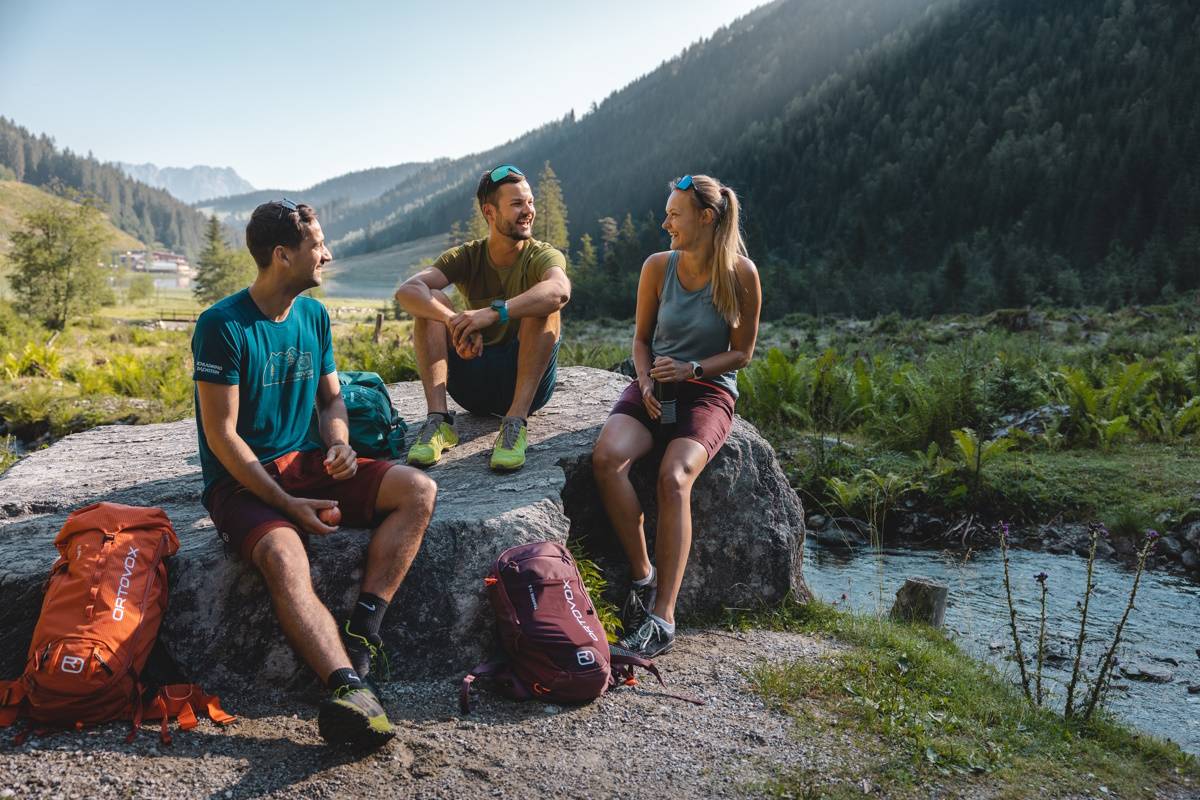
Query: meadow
1030, 415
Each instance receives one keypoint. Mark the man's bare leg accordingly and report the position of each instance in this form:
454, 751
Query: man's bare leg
306, 622
407, 496
537, 336
431, 346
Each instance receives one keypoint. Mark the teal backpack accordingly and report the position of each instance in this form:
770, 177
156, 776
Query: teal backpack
376, 430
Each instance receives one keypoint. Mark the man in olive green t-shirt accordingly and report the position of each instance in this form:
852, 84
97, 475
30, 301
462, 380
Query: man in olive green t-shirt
500, 356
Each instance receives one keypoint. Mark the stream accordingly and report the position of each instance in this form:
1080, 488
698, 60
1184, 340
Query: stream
1162, 634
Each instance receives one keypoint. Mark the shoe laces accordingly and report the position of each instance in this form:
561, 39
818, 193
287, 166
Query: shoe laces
510, 431
636, 610
377, 653
646, 632
428, 429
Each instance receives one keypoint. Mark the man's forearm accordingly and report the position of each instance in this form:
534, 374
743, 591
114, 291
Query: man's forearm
419, 300
334, 423
540, 300
241, 463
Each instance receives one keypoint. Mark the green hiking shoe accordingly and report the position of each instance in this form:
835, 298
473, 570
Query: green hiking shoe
509, 451
353, 717
435, 436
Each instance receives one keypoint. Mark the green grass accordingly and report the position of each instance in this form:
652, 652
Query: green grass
18, 198
924, 712
1135, 481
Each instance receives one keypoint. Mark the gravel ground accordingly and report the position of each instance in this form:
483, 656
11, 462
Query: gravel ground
634, 742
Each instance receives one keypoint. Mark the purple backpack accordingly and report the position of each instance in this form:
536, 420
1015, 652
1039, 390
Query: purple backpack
557, 650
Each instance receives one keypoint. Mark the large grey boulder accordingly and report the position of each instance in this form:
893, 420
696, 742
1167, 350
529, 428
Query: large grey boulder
747, 546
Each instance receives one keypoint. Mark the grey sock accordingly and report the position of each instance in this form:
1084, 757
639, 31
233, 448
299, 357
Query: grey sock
649, 580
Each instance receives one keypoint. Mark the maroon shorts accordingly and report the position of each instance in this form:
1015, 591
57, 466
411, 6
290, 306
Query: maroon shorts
704, 413
242, 519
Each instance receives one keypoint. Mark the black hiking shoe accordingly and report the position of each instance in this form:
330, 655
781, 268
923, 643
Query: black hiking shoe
367, 657
637, 607
353, 717
649, 640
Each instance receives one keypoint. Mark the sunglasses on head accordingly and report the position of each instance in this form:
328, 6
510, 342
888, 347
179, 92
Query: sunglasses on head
503, 171
285, 206
684, 183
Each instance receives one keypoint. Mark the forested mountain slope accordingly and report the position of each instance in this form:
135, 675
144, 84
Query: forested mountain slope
151, 215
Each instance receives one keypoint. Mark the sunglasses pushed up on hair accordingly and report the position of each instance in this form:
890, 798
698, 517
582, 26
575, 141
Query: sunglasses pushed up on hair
286, 206
503, 171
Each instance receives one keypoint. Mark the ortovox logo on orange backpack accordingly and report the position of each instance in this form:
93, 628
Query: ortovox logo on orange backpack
105, 599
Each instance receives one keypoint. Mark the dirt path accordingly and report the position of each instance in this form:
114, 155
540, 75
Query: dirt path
634, 742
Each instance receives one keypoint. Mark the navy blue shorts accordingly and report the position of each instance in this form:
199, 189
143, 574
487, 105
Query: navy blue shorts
485, 385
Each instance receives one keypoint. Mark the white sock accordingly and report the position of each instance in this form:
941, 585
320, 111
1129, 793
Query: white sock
669, 627
649, 580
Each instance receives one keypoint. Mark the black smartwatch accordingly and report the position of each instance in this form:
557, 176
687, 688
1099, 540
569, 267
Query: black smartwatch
697, 370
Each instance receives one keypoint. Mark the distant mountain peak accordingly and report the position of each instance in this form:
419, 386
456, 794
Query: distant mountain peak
189, 184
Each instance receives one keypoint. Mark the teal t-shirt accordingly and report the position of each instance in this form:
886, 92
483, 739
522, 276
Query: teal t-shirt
276, 367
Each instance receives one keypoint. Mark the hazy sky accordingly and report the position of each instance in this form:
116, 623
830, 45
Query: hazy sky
291, 93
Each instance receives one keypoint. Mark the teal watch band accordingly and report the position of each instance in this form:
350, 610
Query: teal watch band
501, 307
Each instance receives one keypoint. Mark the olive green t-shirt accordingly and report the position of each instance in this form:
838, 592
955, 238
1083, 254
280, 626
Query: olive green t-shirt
470, 270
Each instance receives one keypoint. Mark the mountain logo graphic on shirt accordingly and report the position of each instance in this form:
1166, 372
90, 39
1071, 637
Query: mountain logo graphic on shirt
287, 367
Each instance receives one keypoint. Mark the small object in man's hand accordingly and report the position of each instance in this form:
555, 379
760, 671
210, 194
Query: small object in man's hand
330, 516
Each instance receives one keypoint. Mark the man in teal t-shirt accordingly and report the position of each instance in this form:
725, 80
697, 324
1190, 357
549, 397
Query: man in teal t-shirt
263, 360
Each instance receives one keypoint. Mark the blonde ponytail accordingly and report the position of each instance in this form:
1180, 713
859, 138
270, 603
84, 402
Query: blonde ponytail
728, 244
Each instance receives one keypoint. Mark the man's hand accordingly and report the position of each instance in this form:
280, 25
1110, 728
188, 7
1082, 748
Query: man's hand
668, 370
341, 462
303, 512
470, 346
463, 324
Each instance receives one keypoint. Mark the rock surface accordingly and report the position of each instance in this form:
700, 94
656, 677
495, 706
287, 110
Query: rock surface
1147, 672
921, 600
747, 546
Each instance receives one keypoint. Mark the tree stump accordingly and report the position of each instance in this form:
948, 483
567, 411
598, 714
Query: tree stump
921, 600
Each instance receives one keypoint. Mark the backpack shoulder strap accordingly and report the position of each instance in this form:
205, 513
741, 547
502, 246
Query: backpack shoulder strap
12, 701
492, 668
623, 662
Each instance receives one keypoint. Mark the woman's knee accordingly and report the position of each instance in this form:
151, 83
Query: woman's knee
676, 479
608, 458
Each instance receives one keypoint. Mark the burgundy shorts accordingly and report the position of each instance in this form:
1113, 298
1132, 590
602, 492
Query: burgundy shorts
704, 413
242, 519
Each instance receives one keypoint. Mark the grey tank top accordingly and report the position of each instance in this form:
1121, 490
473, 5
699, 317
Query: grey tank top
689, 328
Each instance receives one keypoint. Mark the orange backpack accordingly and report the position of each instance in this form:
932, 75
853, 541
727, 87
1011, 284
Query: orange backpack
105, 600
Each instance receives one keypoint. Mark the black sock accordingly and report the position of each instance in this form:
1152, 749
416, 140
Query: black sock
367, 616
343, 677
446, 416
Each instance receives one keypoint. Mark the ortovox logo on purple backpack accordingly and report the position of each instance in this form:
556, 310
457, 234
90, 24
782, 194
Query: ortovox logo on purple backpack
556, 647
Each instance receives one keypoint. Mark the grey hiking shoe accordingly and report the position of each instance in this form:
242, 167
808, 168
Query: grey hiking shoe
637, 606
353, 717
649, 640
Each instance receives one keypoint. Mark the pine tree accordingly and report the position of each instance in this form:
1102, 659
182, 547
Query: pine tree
585, 256
550, 224
221, 271
608, 235
477, 227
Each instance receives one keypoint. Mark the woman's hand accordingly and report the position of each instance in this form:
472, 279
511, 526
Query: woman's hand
668, 370
653, 407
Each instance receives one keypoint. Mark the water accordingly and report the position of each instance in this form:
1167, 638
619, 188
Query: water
1164, 624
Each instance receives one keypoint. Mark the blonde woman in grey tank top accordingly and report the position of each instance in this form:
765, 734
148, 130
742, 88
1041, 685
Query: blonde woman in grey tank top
697, 322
